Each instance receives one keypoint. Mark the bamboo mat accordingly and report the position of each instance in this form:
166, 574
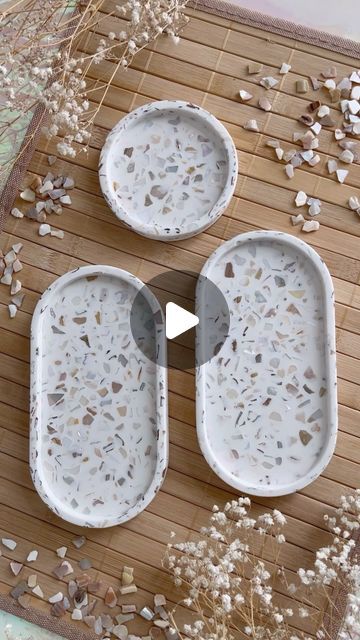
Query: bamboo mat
207, 67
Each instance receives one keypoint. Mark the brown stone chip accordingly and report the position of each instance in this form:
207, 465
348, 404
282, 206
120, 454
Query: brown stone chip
79, 542
110, 598
305, 436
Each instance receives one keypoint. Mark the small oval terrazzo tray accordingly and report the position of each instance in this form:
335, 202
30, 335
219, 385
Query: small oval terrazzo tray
99, 435
267, 402
168, 170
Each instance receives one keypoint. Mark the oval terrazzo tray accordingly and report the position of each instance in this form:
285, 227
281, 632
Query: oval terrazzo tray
267, 402
168, 170
99, 435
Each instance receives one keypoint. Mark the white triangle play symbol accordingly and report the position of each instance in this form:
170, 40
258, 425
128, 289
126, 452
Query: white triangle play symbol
178, 320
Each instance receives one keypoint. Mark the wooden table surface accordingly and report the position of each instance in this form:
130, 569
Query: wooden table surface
208, 67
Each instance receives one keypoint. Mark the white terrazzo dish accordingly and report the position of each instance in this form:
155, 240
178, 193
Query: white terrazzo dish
98, 433
266, 403
168, 170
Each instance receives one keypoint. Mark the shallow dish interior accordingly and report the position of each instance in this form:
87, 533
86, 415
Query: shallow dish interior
266, 408
99, 446
166, 169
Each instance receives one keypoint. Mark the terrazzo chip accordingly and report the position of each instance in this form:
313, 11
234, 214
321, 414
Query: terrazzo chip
264, 104
300, 199
9, 543
16, 567
37, 591
57, 597
341, 175
269, 82
61, 552
12, 310
110, 598
245, 95
251, 125
285, 68
310, 225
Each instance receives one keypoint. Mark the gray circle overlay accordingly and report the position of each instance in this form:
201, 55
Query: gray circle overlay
186, 289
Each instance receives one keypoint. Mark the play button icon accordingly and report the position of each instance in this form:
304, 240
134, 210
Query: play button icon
186, 320
178, 320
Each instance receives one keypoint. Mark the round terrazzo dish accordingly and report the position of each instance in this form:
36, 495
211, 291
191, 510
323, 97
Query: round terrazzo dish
168, 170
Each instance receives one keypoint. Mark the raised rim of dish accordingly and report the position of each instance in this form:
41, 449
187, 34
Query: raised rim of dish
329, 300
156, 231
40, 483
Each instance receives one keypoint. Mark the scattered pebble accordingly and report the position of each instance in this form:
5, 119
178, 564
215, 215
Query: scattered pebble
330, 72
128, 608
269, 82
245, 95
9, 543
16, 213
354, 203
63, 569
16, 567
28, 195
289, 170
273, 143
17, 266
159, 598
32, 580
65, 199
341, 175
12, 310
120, 631
254, 67
57, 233
279, 153
110, 598
57, 597
44, 229
300, 199
79, 542
314, 208
297, 219
76, 614
346, 156
38, 591
69, 183
330, 84
264, 104
85, 564
310, 225
302, 86
285, 68
322, 111
61, 552
51, 160
24, 601
332, 166
131, 588
316, 128
147, 613
18, 299
316, 84
127, 576
251, 125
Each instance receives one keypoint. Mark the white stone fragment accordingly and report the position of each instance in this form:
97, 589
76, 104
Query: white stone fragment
330, 84
356, 129
44, 229
314, 209
16, 213
57, 597
332, 166
341, 175
355, 77
273, 143
354, 203
289, 170
279, 152
12, 310
17, 266
250, 125
354, 106
57, 233
323, 110
6, 278
268, 82
47, 186
300, 199
346, 156
316, 128
17, 247
310, 225
38, 591
15, 287
297, 219
65, 199
314, 160
28, 195
355, 93
76, 614
245, 95
69, 183
33, 555
9, 543
344, 84
307, 155
285, 68
339, 135
120, 631
297, 135
32, 579
344, 105
289, 154
264, 104
61, 552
